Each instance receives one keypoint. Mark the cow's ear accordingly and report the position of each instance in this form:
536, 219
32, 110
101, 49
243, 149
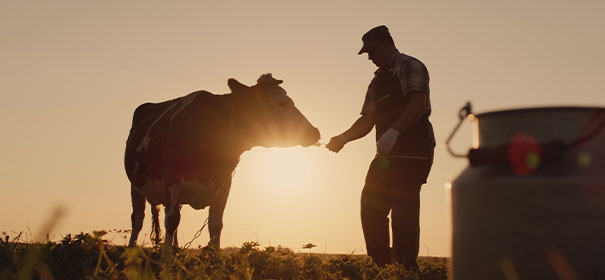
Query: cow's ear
236, 86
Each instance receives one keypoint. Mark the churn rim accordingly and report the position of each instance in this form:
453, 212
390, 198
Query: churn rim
532, 109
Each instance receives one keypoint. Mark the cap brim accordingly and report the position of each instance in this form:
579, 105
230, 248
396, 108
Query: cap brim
362, 50
366, 48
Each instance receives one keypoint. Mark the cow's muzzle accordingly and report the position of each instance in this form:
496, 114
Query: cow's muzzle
311, 137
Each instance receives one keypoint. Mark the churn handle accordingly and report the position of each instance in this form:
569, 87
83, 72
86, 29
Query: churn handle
462, 114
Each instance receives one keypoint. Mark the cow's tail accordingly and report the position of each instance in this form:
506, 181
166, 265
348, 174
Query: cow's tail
156, 231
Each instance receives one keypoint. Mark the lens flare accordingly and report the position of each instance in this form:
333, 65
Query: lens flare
508, 269
383, 162
532, 160
584, 159
559, 263
524, 153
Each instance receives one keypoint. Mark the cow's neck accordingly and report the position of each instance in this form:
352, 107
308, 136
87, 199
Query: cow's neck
232, 138
242, 132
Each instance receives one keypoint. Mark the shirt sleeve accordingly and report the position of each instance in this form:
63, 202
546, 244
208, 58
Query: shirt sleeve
415, 77
369, 104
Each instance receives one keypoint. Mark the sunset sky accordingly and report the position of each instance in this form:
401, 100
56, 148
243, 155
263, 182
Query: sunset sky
72, 73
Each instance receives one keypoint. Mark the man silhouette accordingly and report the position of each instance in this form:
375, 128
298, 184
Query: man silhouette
397, 103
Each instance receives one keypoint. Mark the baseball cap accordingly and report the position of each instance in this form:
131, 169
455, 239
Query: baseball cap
374, 37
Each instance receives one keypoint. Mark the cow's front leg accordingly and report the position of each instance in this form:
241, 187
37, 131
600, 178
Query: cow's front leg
138, 214
215, 215
173, 216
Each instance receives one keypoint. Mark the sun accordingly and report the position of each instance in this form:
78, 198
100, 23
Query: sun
283, 168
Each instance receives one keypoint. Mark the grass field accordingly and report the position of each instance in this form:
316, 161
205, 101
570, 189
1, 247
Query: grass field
90, 256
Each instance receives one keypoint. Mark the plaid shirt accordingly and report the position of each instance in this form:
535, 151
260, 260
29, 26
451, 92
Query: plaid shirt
412, 74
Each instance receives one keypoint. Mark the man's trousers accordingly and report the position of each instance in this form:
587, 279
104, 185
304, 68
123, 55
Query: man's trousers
393, 186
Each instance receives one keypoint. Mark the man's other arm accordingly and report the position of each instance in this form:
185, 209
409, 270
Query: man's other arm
412, 113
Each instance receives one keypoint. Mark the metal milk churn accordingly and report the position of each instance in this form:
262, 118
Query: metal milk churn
531, 203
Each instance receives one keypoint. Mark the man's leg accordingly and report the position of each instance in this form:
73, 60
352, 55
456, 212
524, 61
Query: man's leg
406, 226
375, 222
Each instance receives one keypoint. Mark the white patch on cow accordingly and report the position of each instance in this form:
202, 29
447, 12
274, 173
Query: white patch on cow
136, 169
147, 139
183, 103
193, 192
144, 143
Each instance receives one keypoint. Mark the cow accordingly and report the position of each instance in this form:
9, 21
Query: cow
185, 150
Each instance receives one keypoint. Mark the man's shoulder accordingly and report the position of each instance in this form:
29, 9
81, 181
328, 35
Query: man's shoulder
405, 64
404, 59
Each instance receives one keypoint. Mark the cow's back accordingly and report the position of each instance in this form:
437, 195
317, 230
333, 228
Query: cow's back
145, 116
152, 126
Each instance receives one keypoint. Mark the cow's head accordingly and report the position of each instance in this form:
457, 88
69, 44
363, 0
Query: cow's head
268, 117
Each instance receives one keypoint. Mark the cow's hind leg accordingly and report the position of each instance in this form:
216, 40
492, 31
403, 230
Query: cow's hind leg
175, 240
173, 217
171, 222
156, 231
138, 214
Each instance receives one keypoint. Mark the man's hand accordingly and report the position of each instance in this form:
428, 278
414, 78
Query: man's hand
336, 143
387, 141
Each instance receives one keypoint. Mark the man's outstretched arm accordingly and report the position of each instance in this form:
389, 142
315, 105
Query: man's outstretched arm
360, 128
